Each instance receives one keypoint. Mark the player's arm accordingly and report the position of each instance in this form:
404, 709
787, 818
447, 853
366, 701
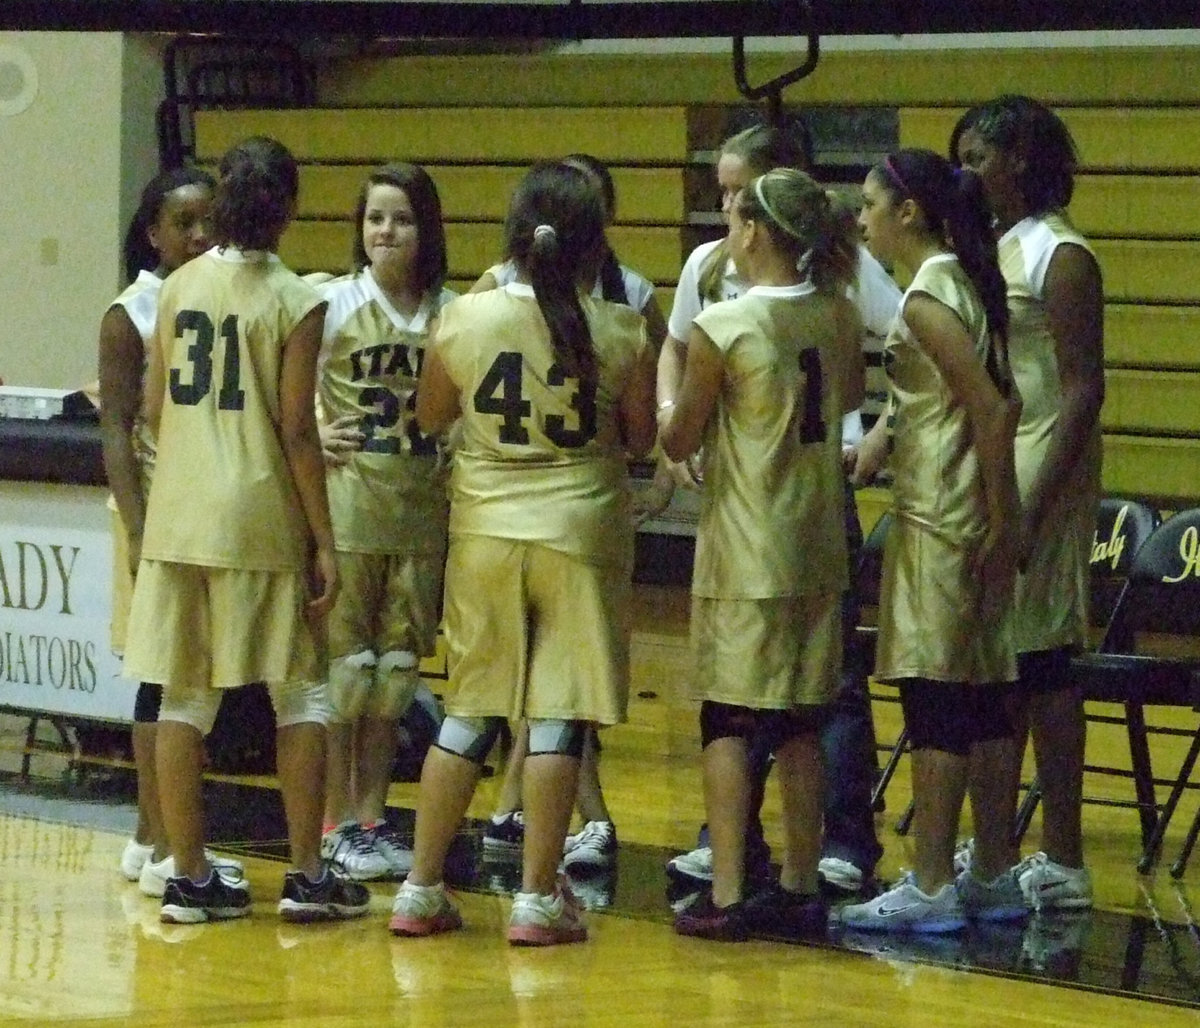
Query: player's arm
656, 324
437, 396
302, 450
852, 368
681, 426
1075, 310
121, 363
638, 427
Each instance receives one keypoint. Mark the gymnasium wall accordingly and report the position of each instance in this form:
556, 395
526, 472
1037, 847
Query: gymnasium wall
76, 142
654, 112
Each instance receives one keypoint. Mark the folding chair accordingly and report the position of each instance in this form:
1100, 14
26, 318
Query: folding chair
1122, 526
1160, 597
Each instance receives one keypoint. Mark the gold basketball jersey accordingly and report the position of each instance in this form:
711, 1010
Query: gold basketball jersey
391, 496
541, 458
223, 495
771, 521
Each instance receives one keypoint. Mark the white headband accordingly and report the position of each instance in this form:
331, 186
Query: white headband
762, 200
544, 230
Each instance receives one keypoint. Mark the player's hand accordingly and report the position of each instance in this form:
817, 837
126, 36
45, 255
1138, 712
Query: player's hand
325, 584
341, 439
994, 565
863, 461
654, 499
135, 555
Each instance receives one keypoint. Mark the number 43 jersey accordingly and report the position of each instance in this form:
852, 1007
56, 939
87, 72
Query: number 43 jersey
541, 458
391, 496
223, 495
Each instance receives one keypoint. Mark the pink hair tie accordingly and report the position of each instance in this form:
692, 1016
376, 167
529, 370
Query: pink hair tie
896, 176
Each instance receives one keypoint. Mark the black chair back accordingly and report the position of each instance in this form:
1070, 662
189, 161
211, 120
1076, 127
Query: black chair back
1122, 526
1162, 592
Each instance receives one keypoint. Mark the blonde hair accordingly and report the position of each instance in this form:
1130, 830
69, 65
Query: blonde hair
762, 147
803, 222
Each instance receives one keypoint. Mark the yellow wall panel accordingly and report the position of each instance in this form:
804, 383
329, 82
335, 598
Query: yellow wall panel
1142, 466
1152, 336
1152, 401
1149, 75
1151, 271
1137, 205
475, 134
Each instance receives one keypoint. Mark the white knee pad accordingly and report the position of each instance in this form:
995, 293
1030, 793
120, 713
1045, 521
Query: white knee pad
350, 681
396, 682
196, 707
300, 703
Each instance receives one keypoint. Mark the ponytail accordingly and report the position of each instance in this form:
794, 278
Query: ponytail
555, 233
955, 209
805, 225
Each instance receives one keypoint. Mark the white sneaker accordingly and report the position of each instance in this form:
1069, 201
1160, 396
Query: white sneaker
351, 849
391, 844
153, 878
594, 846
841, 874
420, 910
1001, 899
1048, 885
546, 920
133, 856
695, 866
905, 908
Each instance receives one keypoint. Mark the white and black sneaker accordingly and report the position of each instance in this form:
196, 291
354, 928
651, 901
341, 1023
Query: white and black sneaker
351, 848
905, 908
332, 897
219, 897
594, 846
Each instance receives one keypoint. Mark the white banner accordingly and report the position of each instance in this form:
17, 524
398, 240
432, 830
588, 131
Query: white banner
56, 603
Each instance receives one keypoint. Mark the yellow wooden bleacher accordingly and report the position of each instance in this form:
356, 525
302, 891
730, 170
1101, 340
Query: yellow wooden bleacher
477, 121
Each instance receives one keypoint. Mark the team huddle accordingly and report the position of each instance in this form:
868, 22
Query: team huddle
310, 476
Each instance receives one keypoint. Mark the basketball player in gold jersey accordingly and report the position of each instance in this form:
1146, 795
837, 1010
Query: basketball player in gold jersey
169, 228
387, 498
237, 533
1026, 158
554, 388
949, 563
767, 380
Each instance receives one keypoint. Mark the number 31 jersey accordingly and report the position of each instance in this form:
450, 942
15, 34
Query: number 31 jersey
223, 495
541, 458
391, 496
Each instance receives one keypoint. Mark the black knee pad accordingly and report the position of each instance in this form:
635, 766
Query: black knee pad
726, 721
1044, 671
147, 702
471, 738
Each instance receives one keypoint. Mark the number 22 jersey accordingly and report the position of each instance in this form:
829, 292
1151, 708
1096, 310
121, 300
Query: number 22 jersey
541, 458
223, 494
391, 495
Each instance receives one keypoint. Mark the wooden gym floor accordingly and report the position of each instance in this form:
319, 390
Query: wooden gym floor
80, 946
